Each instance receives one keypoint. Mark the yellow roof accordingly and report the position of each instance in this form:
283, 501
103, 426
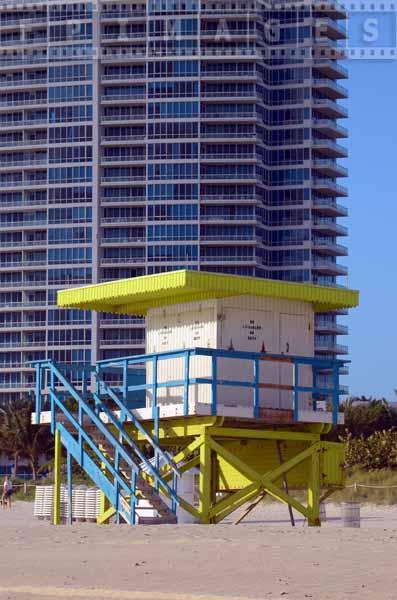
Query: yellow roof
138, 294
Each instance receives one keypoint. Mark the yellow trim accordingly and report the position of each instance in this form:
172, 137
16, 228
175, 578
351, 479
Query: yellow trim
138, 294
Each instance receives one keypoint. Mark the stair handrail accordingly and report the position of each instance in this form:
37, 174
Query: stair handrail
145, 461
95, 449
130, 415
52, 367
88, 411
117, 475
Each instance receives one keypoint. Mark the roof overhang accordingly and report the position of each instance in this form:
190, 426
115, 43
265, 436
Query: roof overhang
137, 295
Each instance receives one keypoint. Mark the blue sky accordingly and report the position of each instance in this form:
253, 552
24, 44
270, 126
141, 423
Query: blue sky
372, 223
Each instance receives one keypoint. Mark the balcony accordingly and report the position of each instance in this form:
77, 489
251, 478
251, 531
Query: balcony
228, 116
331, 28
228, 157
328, 206
239, 52
133, 342
230, 135
251, 198
8, 23
123, 36
122, 77
330, 327
227, 218
123, 261
125, 179
222, 258
124, 98
7, 143
328, 186
122, 220
110, 241
112, 321
116, 160
246, 177
328, 48
329, 8
213, 34
329, 168
228, 94
330, 348
23, 61
330, 68
24, 223
328, 226
330, 128
108, 139
116, 15
329, 108
328, 246
329, 148
110, 119
22, 263
23, 244
22, 324
223, 74
12, 124
123, 199
26, 162
232, 238
138, 55
328, 267
330, 88
23, 83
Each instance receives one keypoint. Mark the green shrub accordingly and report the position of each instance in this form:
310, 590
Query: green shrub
378, 451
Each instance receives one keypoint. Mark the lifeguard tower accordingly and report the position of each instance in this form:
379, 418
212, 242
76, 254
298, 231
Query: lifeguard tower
229, 387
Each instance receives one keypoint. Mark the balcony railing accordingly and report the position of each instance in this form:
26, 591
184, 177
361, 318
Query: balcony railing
339, 90
123, 240
329, 185
328, 223
330, 267
331, 107
330, 167
333, 147
122, 14
7, 83
328, 205
123, 178
222, 73
123, 76
331, 125
117, 199
123, 97
330, 246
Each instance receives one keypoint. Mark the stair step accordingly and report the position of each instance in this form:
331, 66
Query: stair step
158, 520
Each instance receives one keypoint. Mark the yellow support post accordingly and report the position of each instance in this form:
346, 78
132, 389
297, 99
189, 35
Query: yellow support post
104, 505
205, 479
57, 479
314, 490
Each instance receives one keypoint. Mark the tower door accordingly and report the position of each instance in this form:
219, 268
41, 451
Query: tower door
296, 338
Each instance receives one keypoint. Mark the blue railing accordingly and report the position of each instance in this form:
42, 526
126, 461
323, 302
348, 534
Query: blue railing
72, 425
257, 383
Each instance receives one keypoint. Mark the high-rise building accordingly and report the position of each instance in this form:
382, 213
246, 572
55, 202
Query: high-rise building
144, 136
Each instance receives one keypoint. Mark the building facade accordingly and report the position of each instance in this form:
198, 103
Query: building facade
144, 136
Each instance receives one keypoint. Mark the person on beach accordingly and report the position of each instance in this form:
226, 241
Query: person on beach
7, 492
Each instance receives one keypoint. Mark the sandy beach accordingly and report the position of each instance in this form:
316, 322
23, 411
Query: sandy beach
263, 558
